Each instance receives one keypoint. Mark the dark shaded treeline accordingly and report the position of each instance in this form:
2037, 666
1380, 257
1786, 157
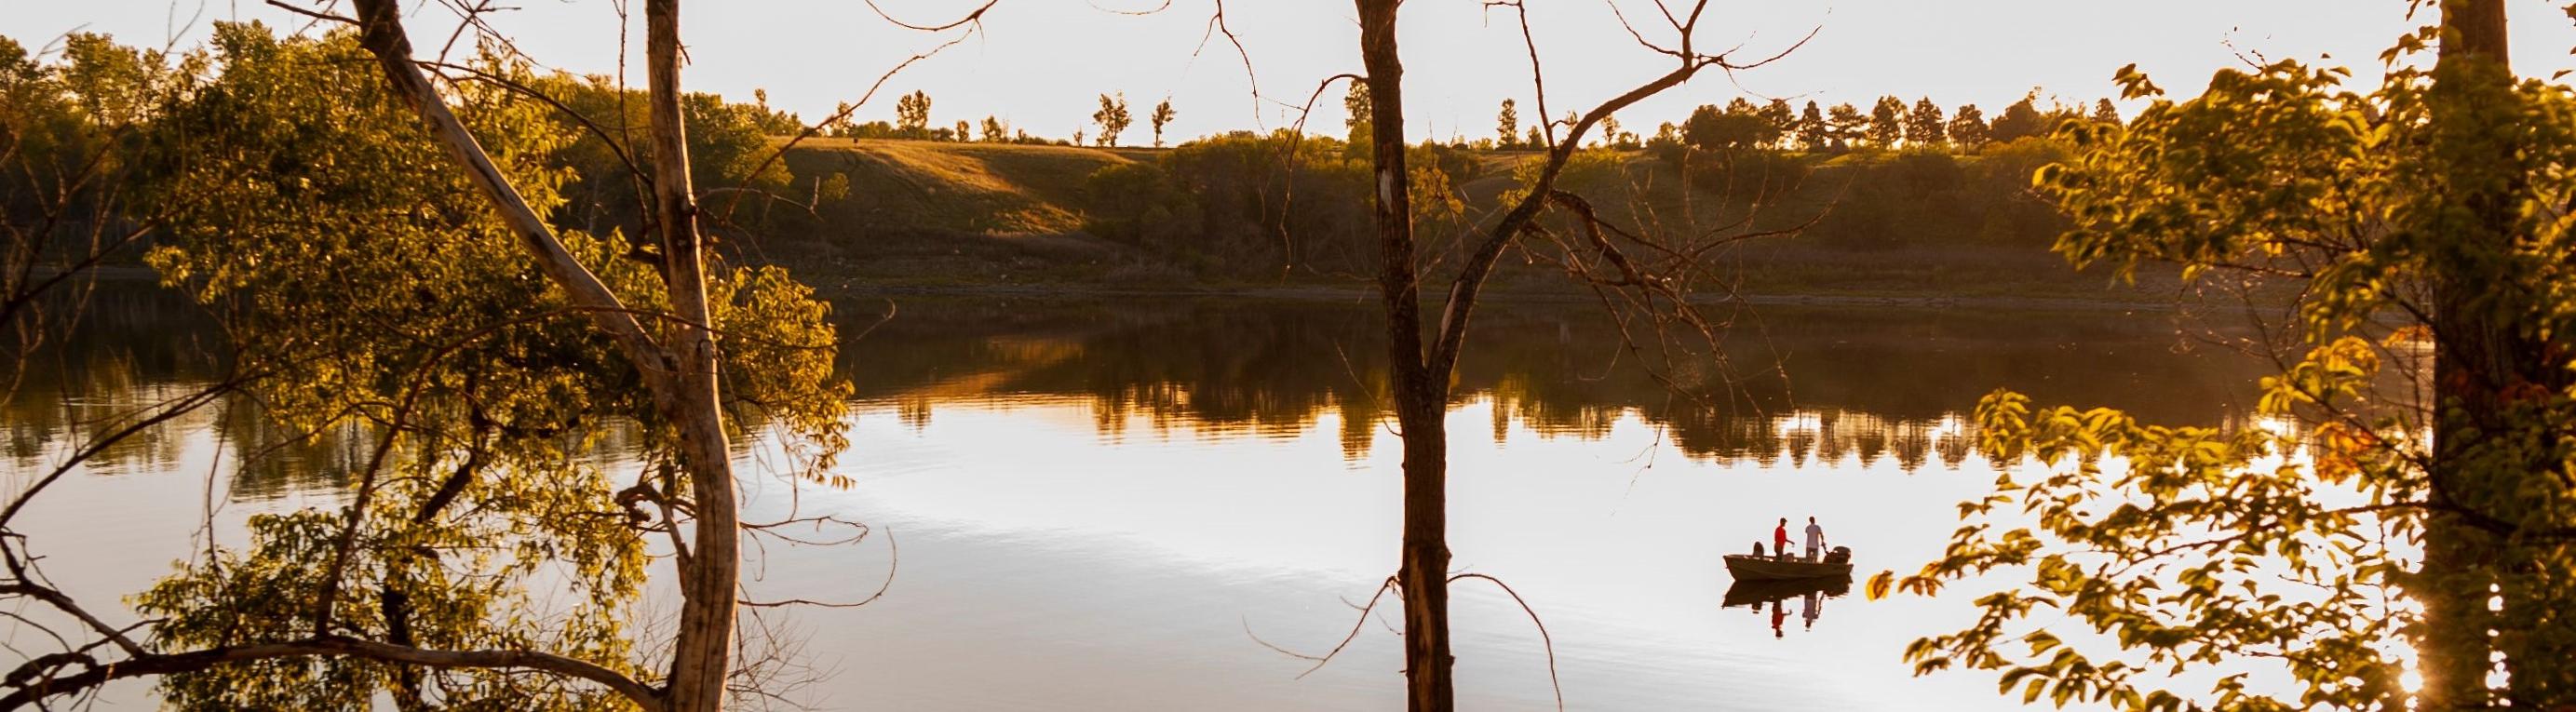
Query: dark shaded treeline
1243, 205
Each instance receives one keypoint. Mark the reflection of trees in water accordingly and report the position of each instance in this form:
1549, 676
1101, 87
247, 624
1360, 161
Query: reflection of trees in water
1828, 436
135, 346
132, 346
1860, 386
1803, 386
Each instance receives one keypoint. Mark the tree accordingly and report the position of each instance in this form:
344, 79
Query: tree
1610, 132
1355, 134
2417, 215
1162, 116
2020, 120
1739, 127
995, 131
1968, 128
2104, 112
1847, 125
1923, 127
74, 137
912, 114
1666, 144
1813, 133
1111, 118
439, 309
1886, 122
1421, 371
839, 125
1507, 123
1783, 123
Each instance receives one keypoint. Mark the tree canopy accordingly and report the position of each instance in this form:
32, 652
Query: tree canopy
2422, 407
365, 278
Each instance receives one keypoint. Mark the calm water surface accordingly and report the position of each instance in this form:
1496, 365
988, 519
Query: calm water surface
1113, 504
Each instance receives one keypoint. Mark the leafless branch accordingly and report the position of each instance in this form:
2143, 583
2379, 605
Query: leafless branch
1356, 626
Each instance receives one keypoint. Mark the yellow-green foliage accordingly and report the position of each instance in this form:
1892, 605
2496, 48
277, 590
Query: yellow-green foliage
373, 288
2233, 551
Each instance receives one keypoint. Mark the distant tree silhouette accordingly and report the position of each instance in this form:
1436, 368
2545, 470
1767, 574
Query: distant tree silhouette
1507, 123
2104, 112
1077, 137
1738, 126
1846, 125
840, 125
1886, 122
994, 131
964, 132
912, 114
1783, 120
1740, 106
1924, 127
1162, 116
1111, 118
1355, 134
1968, 128
1610, 131
2022, 119
1813, 134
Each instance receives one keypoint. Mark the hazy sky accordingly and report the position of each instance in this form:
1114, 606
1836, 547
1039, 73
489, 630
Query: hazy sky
1039, 63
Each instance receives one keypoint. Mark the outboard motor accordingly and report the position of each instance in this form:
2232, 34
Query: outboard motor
1840, 555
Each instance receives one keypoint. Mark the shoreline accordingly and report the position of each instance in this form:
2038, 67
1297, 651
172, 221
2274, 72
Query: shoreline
852, 291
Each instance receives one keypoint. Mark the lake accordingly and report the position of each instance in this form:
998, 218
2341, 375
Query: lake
1127, 503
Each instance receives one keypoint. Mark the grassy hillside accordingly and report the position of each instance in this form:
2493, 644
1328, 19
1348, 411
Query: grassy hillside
916, 213
953, 188
921, 212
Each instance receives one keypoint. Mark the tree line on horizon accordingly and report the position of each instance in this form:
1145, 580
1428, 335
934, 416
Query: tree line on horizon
1890, 123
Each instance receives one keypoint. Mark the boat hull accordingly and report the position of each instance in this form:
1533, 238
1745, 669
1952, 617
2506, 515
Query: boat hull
1754, 568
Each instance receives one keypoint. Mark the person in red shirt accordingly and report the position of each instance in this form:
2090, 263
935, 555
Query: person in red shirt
1780, 539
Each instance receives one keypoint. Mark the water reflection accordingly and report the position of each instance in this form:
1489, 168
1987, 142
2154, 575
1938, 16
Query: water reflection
1809, 595
1811, 386
1098, 498
134, 349
1844, 386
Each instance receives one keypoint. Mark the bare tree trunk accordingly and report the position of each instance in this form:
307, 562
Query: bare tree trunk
703, 644
681, 374
1421, 395
2472, 85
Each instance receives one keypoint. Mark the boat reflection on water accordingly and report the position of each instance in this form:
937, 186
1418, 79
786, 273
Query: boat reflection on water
1773, 597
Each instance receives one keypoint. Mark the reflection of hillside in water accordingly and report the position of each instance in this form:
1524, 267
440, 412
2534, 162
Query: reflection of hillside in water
1849, 384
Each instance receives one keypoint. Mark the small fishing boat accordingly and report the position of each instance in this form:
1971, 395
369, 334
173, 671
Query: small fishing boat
1746, 567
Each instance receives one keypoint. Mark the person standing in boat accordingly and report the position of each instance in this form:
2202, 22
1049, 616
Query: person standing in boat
1780, 539
1815, 539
